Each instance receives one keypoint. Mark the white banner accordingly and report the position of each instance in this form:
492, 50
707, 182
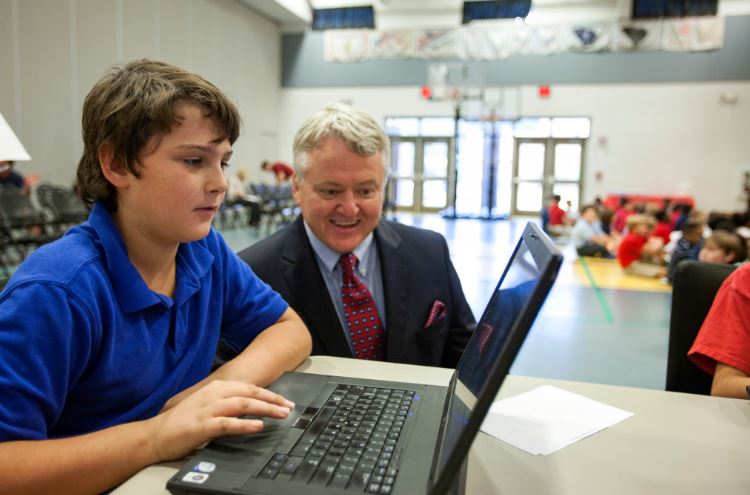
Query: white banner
478, 42
485, 43
693, 34
437, 43
538, 40
639, 36
594, 38
345, 46
392, 44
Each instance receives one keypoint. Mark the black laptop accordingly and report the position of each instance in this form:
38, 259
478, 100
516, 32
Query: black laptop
372, 436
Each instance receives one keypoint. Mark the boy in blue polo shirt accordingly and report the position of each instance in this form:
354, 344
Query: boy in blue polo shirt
107, 335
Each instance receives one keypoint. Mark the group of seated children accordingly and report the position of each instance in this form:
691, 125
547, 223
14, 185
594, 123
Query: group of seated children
651, 242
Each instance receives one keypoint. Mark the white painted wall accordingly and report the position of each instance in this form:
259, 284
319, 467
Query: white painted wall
646, 138
53, 51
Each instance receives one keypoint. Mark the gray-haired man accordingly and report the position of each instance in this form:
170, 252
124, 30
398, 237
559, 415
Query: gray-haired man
366, 287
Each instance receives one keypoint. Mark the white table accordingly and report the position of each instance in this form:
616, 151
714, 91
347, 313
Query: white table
675, 444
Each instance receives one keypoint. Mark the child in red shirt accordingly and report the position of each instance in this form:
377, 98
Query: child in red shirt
663, 228
557, 218
637, 254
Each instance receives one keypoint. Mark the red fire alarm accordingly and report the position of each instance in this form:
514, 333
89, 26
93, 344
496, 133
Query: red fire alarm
544, 91
426, 92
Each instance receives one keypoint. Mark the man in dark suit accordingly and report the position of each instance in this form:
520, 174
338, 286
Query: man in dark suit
398, 298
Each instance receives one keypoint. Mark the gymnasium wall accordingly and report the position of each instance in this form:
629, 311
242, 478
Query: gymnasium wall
53, 51
662, 123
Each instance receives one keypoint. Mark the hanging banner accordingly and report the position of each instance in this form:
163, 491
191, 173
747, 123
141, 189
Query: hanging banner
637, 36
345, 46
392, 44
594, 38
437, 43
484, 43
499, 42
537, 40
693, 34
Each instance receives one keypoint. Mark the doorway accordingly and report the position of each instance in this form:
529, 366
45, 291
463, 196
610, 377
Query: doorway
543, 167
421, 168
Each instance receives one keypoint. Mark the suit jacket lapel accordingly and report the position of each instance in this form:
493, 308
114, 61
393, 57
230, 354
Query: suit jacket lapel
395, 272
303, 277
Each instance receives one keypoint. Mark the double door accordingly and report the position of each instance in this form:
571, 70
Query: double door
543, 167
420, 179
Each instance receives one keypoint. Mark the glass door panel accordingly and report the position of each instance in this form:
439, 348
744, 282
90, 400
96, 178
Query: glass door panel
403, 190
566, 176
531, 161
403, 158
420, 173
435, 161
529, 197
434, 194
544, 167
568, 161
435, 167
400, 189
528, 183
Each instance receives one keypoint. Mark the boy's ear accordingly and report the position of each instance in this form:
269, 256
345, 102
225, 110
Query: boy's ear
112, 169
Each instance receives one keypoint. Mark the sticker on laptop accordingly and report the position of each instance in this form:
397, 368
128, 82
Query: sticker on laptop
205, 467
193, 477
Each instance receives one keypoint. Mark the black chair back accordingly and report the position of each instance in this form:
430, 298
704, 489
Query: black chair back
694, 287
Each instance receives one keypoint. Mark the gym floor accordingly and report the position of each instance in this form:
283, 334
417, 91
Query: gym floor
598, 325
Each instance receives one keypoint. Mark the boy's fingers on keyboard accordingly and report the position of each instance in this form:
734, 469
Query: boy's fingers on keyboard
235, 388
232, 426
240, 406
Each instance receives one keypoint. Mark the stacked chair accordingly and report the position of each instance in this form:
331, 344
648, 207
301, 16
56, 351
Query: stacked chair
278, 203
63, 206
23, 226
29, 222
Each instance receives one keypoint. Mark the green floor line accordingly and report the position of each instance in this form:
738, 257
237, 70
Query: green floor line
599, 295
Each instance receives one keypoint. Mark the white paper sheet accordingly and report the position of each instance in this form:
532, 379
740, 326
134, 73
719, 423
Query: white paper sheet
547, 419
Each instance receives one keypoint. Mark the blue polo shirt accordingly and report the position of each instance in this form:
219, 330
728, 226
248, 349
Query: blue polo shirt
85, 344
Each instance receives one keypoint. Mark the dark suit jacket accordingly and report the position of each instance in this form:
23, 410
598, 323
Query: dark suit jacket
416, 270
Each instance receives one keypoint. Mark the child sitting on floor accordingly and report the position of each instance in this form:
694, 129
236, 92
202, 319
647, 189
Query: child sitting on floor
638, 254
587, 235
723, 247
687, 247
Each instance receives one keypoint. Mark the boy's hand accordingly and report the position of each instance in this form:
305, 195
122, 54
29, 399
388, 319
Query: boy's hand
210, 412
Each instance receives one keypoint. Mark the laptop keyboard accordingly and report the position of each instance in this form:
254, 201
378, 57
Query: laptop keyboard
351, 443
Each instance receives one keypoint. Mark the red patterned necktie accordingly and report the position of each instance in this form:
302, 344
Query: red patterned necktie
361, 314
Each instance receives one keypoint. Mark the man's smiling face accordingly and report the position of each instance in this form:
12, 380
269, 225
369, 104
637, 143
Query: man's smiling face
341, 194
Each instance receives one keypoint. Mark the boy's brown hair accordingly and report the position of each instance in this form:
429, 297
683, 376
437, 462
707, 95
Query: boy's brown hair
134, 103
640, 219
729, 242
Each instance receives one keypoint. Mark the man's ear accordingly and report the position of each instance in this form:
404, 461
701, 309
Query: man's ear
112, 169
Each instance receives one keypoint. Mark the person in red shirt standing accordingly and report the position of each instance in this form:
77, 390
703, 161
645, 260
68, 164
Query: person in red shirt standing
637, 254
280, 170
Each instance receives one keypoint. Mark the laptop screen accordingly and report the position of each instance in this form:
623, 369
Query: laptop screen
499, 335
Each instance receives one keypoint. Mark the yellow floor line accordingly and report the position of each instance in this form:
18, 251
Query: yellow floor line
607, 274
